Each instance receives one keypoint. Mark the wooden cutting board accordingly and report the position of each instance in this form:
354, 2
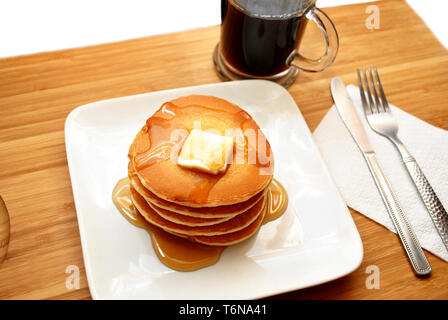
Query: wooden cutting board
38, 91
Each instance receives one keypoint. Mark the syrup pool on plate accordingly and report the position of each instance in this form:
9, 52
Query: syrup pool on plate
178, 253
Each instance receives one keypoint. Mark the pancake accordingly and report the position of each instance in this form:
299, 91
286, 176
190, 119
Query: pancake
233, 237
235, 224
223, 240
226, 211
186, 220
155, 149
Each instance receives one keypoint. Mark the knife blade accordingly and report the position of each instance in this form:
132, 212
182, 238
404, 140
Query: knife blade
347, 111
349, 115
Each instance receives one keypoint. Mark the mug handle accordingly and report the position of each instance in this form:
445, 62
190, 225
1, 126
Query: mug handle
327, 27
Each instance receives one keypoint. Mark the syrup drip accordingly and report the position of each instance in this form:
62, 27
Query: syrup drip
278, 201
160, 153
178, 253
175, 252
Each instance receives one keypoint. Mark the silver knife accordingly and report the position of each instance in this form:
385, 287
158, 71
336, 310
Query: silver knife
349, 115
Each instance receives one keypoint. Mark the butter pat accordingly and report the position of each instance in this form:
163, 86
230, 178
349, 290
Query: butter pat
205, 151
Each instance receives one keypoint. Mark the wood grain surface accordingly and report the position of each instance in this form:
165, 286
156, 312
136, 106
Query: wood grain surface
38, 91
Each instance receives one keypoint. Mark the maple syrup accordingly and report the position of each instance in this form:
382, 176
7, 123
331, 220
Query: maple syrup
178, 253
161, 140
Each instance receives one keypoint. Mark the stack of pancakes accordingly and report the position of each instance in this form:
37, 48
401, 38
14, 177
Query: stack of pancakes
219, 210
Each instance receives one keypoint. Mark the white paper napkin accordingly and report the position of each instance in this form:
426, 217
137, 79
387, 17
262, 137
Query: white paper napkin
428, 145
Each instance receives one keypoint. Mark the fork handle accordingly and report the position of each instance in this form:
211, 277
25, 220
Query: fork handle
406, 234
435, 208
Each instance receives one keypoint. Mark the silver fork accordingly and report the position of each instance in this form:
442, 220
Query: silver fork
382, 121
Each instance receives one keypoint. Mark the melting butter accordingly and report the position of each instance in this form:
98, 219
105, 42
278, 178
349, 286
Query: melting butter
205, 151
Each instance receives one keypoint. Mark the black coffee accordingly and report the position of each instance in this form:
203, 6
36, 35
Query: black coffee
256, 41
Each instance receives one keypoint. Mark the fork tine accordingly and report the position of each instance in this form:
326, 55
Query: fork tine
375, 94
369, 95
380, 89
366, 107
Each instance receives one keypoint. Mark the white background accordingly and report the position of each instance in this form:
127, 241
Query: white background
30, 26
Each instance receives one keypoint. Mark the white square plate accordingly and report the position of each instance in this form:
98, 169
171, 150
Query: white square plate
313, 242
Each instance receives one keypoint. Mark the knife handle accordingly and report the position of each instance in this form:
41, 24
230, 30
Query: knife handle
435, 208
406, 234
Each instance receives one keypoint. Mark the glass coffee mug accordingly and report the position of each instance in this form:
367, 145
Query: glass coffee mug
260, 39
